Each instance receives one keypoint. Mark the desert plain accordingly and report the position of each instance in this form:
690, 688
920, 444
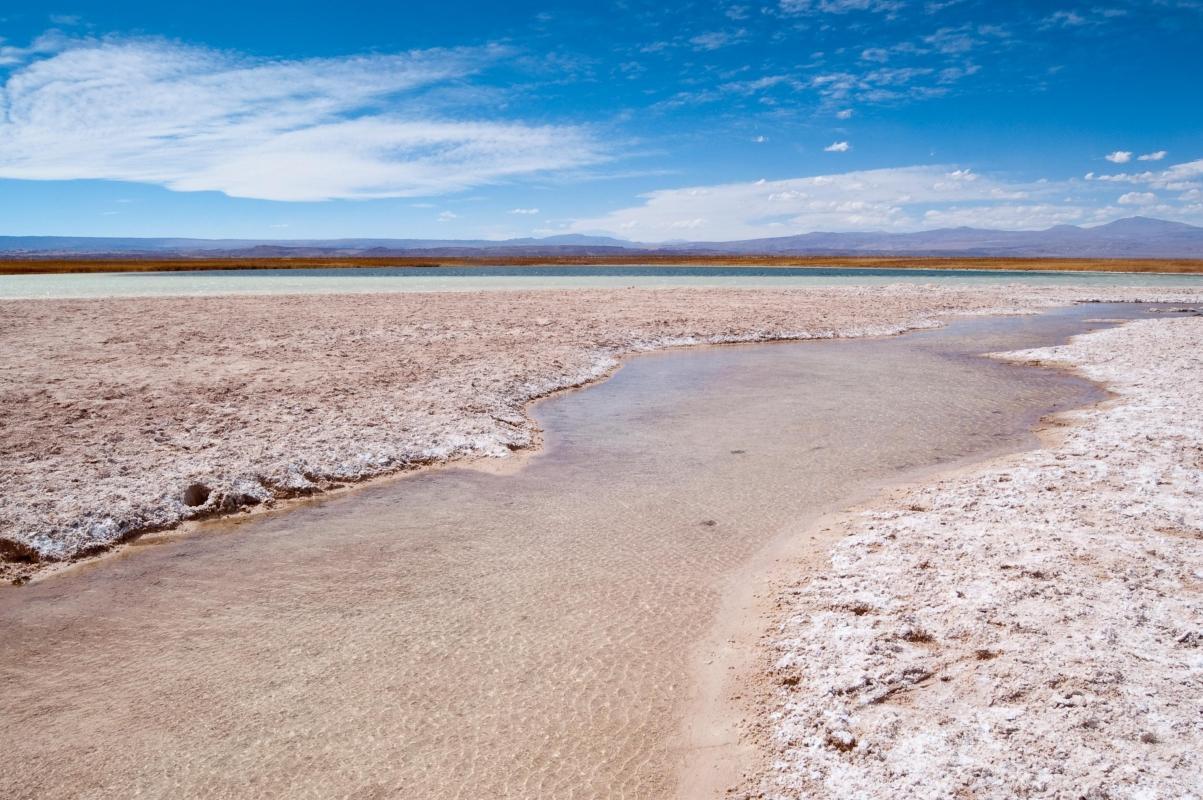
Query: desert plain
1029, 626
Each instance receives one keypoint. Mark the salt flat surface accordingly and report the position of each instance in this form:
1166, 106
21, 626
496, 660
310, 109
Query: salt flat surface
126, 415
1033, 628
480, 633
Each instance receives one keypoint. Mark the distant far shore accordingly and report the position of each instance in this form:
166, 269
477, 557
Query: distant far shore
32, 266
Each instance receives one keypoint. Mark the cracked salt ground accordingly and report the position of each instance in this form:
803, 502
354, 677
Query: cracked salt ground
461, 634
1059, 600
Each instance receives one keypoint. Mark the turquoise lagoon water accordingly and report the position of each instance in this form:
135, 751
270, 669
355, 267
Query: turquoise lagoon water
464, 279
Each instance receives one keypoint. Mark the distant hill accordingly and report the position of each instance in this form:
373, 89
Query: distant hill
1134, 237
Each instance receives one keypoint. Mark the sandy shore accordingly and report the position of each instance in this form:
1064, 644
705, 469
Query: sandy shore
130, 415
1031, 628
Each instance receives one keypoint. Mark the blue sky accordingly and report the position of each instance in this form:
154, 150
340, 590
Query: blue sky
650, 121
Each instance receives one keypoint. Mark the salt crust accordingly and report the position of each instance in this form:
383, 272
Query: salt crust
114, 408
1029, 628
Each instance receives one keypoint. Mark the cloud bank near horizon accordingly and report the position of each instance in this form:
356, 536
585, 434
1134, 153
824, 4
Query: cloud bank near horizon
900, 200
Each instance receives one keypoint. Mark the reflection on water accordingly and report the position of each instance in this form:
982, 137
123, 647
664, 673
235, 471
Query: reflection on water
460, 634
453, 279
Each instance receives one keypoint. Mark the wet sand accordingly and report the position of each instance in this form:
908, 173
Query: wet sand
459, 633
130, 415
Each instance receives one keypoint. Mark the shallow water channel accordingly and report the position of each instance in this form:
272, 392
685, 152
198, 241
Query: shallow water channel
460, 633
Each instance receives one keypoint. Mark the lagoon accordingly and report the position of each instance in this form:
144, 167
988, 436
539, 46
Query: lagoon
365, 280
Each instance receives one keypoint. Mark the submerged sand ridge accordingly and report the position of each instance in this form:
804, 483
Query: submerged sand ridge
462, 634
127, 415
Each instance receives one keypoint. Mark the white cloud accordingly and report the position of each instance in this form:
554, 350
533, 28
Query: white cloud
1119, 157
760, 139
1007, 216
50, 42
837, 147
715, 39
526, 211
952, 41
898, 199
962, 175
757, 85
1179, 177
845, 113
1091, 17
885, 199
751, 87
447, 216
1064, 19
884, 84
194, 119
1137, 199
839, 6
1156, 156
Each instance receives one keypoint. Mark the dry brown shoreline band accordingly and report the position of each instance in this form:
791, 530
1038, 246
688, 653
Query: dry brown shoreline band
35, 266
458, 634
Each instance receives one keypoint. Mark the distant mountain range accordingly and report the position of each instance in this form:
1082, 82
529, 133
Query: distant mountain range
1134, 237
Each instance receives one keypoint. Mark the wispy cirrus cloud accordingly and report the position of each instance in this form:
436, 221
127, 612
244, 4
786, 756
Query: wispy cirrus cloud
886, 84
713, 40
885, 69
839, 6
50, 42
1064, 19
1083, 18
195, 119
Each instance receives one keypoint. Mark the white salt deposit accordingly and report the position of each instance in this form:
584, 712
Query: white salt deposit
1032, 628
